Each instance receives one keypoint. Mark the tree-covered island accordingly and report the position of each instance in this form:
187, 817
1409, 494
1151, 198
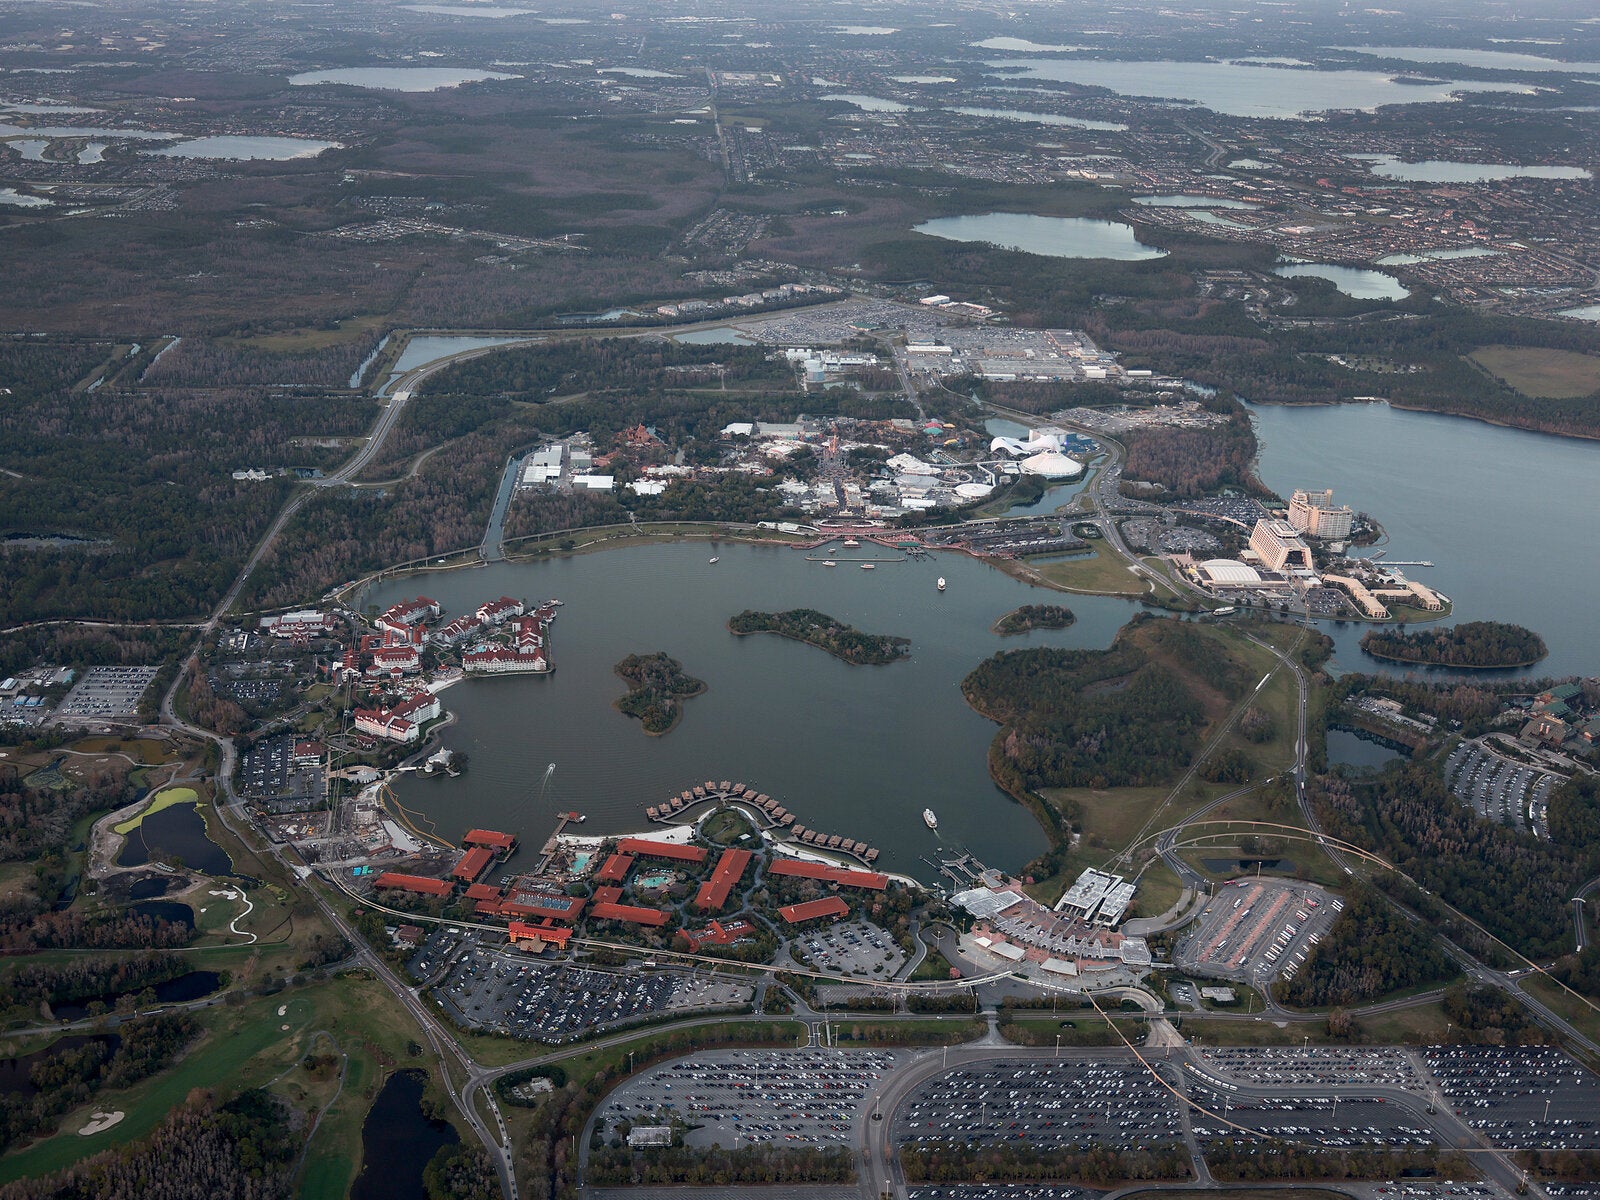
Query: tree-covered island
822, 631
1473, 645
657, 688
1034, 616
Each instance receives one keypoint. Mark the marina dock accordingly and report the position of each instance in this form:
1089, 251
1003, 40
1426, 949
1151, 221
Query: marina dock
779, 820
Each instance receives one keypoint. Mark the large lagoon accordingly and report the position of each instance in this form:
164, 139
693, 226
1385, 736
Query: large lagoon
858, 751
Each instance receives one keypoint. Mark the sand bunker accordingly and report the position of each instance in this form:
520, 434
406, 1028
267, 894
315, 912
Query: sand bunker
100, 1122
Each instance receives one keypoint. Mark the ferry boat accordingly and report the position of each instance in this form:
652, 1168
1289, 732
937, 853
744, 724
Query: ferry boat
941, 583
851, 543
828, 562
869, 566
928, 819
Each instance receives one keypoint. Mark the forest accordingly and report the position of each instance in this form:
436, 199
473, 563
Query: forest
1129, 716
614, 1166
1516, 886
820, 630
243, 1150
1011, 1160
1250, 1159
1189, 463
606, 364
657, 688
1371, 951
1470, 645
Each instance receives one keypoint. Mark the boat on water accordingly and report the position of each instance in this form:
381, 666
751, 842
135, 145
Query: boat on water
928, 819
716, 560
869, 566
828, 562
851, 543
941, 583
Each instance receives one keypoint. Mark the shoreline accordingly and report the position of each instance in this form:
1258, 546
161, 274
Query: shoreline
1438, 412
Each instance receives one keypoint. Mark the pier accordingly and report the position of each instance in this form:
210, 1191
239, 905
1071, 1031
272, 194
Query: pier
779, 820
553, 842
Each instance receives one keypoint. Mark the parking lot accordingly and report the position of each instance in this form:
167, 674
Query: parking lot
751, 1097
856, 949
1294, 1066
1256, 930
1498, 790
268, 775
107, 693
1324, 1121
506, 992
1527, 1096
997, 1191
1060, 1104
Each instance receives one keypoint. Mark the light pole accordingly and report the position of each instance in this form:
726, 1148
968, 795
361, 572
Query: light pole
1058, 1055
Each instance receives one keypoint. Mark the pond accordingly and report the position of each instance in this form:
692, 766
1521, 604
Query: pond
1356, 282
714, 337
1359, 749
420, 351
16, 1073
165, 910
178, 832
870, 103
1052, 237
397, 1142
1184, 200
196, 985
398, 79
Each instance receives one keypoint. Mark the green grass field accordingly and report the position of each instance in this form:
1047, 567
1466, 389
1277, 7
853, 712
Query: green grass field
1102, 573
1541, 374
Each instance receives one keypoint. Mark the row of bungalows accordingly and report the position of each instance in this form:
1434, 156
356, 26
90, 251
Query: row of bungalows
833, 841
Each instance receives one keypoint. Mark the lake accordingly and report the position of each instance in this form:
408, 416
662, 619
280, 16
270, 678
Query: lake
1439, 171
272, 148
1498, 511
1587, 312
1053, 237
857, 751
1494, 60
1352, 281
468, 10
1023, 46
18, 200
923, 79
397, 1142
1189, 201
870, 103
399, 79
715, 337
1241, 90
1422, 256
1038, 118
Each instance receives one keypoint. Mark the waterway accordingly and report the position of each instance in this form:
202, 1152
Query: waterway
1500, 512
1052, 237
397, 1142
1242, 90
1352, 281
858, 751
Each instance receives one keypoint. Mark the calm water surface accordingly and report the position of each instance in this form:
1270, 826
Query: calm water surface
398, 79
1053, 237
1352, 281
1441, 171
858, 751
1498, 511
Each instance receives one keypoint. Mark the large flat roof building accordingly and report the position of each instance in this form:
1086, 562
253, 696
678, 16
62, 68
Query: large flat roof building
1097, 897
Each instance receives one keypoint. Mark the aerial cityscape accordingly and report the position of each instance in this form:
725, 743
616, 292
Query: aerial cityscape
741, 601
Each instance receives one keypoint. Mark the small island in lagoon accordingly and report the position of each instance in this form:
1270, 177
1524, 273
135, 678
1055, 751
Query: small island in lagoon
1034, 616
657, 688
822, 631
